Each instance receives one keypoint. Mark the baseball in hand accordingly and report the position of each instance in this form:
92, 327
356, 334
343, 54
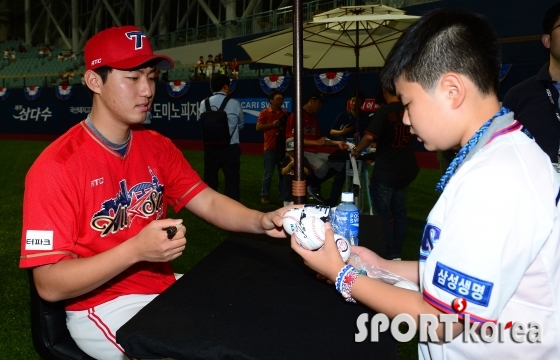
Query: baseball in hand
291, 219
343, 247
310, 233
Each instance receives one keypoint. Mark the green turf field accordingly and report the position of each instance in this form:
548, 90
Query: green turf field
17, 156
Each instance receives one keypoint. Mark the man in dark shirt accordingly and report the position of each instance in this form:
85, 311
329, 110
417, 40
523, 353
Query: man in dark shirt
343, 128
395, 168
534, 101
345, 124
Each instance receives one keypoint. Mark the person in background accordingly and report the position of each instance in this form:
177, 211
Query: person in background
227, 158
535, 101
209, 67
323, 169
272, 122
217, 63
201, 69
395, 168
234, 67
343, 128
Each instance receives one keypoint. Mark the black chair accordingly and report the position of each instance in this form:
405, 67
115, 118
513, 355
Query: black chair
50, 335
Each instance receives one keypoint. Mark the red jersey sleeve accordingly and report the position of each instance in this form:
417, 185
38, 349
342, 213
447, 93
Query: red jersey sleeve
48, 200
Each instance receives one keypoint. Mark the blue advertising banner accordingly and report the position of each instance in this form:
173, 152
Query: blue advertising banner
174, 117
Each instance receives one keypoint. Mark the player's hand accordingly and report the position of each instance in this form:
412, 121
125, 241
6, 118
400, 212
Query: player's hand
152, 242
273, 222
321, 141
367, 257
326, 261
343, 145
347, 129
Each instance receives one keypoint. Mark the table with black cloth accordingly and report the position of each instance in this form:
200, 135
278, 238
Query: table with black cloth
251, 298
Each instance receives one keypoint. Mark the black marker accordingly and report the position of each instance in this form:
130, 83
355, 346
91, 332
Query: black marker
171, 231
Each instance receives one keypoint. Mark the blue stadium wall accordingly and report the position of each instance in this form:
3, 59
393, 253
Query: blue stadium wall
174, 117
177, 117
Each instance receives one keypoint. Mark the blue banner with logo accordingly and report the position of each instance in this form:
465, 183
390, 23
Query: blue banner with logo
174, 117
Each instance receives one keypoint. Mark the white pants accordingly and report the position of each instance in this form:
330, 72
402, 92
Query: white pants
94, 330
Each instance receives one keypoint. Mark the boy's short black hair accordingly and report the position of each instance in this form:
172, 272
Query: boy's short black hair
550, 18
442, 41
273, 93
218, 82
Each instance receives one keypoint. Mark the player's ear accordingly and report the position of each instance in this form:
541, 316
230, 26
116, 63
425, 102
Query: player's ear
93, 81
454, 89
546, 40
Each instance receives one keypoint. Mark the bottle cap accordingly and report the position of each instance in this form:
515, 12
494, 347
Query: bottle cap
347, 197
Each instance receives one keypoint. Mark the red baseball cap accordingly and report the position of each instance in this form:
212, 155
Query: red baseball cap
123, 48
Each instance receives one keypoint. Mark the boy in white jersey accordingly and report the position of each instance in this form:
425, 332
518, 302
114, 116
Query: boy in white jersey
492, 239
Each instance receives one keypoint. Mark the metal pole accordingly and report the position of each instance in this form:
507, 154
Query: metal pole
356, 188
75, 26
27, 10
298, 186
357, 53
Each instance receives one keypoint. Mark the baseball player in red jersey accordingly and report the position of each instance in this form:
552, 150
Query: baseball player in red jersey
95, 200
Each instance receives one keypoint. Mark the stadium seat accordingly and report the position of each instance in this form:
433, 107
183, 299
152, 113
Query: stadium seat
50, 335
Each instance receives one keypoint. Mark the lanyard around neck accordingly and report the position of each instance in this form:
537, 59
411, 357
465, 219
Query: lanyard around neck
552, 102
462, 154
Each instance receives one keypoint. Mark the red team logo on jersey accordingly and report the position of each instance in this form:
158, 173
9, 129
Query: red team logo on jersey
143, 199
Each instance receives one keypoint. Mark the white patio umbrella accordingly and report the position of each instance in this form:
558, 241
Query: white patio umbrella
336, 39
331, 41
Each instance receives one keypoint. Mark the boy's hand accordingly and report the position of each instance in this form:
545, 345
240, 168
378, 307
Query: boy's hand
367, 256
326, 261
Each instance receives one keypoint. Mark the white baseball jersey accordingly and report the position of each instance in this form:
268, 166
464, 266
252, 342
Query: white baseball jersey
493, 239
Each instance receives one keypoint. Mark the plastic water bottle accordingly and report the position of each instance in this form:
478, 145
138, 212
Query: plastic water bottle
346, 219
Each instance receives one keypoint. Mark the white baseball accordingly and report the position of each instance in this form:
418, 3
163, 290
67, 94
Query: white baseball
290, 219
310, 233
343, 247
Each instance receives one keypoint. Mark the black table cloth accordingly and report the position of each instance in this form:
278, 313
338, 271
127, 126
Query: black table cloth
250, 298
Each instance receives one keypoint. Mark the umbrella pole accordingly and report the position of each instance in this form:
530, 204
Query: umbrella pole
356, 187
298, 185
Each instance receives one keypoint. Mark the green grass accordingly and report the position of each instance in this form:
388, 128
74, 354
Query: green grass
17, 156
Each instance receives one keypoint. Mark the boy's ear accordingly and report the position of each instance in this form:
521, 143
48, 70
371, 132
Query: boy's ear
454, 88
546, 40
